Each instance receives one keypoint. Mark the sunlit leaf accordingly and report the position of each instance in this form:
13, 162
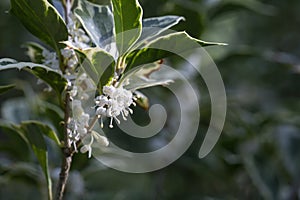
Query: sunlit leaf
156, 25
141, 77
98, 22
162, 47
128, 23
50, 76
102, 65
42, 20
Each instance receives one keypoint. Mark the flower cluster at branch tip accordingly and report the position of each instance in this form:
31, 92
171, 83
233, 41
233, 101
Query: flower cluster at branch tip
78, 38
79, 127
115, 101
50, 59
77, 35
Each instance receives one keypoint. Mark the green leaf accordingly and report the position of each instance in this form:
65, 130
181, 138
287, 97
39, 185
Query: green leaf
43, 129
12, 137
34, 52
102, 64
42, 20
100, 2
59, 7
34, 132
164, 46
5, 88
54, 115
50, 76
128, 23
223, 7
98, 22
156, 25
140, 77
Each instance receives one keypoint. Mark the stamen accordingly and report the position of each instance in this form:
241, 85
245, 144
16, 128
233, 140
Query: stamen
111, 121
123, 115
130, 110
101, 123
117, 120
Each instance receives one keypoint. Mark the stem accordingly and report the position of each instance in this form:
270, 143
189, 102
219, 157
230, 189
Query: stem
67, 149
67, 153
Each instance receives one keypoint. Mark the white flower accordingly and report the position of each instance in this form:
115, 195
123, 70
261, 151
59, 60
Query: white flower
70, 57
79, 123
89, 139
50, 59
115, 101
77, 35
73, 134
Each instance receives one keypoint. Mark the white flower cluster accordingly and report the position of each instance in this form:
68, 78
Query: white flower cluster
78, 38
70, 58
78, 125
115, 101
77, 35
82, 86
51, 59
80, 128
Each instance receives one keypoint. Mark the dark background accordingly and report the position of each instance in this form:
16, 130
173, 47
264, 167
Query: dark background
258, 154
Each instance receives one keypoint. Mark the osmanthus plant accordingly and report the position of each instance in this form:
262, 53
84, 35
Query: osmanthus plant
89, 51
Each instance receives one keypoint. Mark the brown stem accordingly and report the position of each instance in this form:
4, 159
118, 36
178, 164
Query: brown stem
67, 153
67, 149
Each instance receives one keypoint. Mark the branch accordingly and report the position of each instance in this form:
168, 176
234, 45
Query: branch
67, 153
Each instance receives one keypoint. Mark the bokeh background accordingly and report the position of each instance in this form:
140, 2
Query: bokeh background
258, 154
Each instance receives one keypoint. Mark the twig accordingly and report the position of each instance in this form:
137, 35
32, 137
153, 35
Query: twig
67, 153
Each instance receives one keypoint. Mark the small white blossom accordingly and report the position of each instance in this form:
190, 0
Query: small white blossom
50, 59
115, 101
70, 58
89, 139
82, 87
77, 35
79, 123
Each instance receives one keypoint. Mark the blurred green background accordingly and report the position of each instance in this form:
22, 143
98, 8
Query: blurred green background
258, 154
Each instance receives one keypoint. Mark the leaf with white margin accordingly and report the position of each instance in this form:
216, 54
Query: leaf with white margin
156, 25
42, 20
98, 23
128, 23
96, 63
178, 42
141, 77
50, 76
35, 52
